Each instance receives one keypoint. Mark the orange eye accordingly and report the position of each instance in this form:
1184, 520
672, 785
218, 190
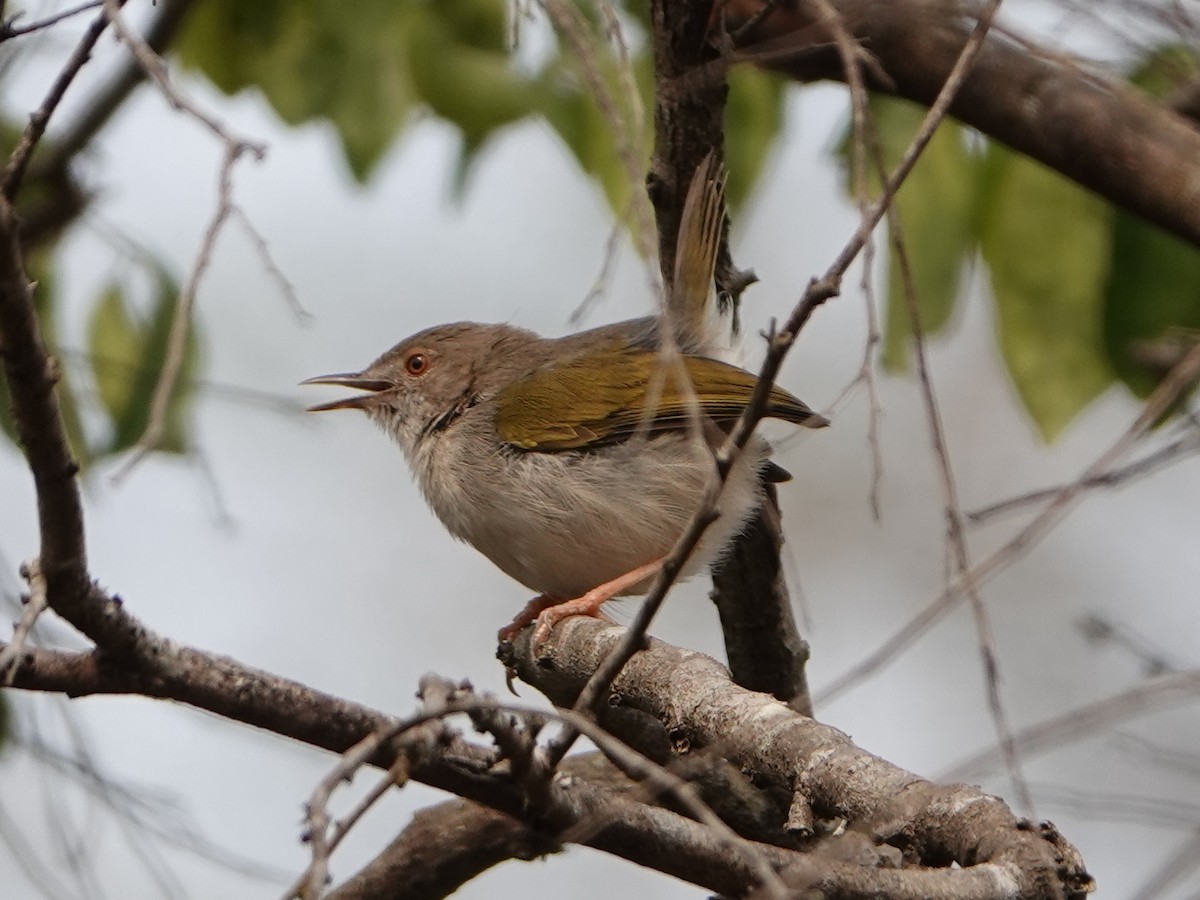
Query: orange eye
416, 364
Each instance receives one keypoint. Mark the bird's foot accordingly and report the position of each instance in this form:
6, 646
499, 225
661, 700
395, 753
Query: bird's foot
588, 605
527, 616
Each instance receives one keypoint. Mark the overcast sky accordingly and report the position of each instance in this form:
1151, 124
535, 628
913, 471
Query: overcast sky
299, 545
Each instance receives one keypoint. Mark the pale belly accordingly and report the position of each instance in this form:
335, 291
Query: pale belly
563, 523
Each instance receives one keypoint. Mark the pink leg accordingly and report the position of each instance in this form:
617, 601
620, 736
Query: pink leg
527, 616
589, 604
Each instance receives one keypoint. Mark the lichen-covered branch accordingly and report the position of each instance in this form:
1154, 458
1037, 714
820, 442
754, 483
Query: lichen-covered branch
812, 770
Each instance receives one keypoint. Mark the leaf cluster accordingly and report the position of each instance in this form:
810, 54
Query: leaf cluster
1085, 295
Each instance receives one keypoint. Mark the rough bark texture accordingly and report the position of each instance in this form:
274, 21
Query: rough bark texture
773, 775
812, 770
1100, 133
762, 642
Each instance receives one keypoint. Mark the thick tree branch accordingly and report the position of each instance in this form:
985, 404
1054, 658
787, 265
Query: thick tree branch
783, 751
652, 837
805, 764
447, 845
443, 848
1100, 133
32, 374
763, 645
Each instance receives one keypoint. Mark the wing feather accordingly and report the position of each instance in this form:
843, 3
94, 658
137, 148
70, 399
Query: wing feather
586, 401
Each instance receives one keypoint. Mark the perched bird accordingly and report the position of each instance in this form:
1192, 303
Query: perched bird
575, 463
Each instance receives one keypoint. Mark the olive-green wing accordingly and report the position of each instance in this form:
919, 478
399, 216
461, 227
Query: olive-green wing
608, 393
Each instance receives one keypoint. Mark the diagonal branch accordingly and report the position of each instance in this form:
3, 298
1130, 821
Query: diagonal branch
1036, 103
1180, 380
18, 162
32, 374
799, 760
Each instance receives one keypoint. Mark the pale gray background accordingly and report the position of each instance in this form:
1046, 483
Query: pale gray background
330, 569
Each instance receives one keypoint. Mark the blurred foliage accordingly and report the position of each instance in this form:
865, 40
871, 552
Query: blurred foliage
936, 209
1085, 294
373, 69
127, 355
1045, 241
120, 367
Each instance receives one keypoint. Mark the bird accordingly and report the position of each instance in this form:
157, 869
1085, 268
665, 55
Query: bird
575, 463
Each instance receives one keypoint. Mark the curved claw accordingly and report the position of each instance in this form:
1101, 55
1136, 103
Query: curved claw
527, 616
580, 606
548, 610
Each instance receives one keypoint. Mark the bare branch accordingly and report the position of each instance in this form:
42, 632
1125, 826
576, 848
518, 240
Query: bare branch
35, 605
443, 848
1180, 380
652, 837
1048, 110
9, 29
235, 148
1077, 724
164, 390
791, 756
1181, 447
14, 171
416, 744
286, 287
99, 106
32, 375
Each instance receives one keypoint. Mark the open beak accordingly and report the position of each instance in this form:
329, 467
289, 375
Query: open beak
353, 380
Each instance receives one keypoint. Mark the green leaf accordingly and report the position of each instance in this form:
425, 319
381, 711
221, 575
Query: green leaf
936, 208
114, 346
462, 70
574, 114
314, 59
1165, 68
127, 361
1154, 290
1047, 245
753, 117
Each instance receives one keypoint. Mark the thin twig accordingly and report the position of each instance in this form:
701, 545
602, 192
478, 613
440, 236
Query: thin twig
448, 700
35, 605
603, 278
1182, 446
322, 841
818, 291
235, 148
154, 66
569, 22
177, 338
302, 314
98, 107
18, 162
10, 30
655, 778
957, 551
851, 55
1099, 630
315, 878
661, 780
1163, 399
